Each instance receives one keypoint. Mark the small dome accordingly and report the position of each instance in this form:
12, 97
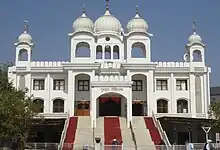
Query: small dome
25, 37
83, 23
194, 38
108, 23
137, 24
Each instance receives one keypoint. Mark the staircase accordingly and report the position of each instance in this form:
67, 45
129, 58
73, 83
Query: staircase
142, 134
84, 132
99, 130
112, 130
155, 136
70, 134
126, 135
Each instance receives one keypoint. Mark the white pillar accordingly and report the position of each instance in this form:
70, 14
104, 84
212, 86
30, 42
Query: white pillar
93, 100
129, 107
151, 104
93, 108
173, 101
203, 91
71, 93
29, 83
192, 94
208, 92
129, 100
48, 89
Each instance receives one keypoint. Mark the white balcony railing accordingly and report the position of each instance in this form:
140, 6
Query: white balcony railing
64, 131
162, 133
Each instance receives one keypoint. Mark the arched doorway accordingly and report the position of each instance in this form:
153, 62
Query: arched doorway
82, 95
111, 104
139, 95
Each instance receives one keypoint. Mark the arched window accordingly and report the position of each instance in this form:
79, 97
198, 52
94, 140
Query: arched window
197, 56
182, 106
162, 106
23, 55
82, 50
58, 106
99, 52
138, 50
107, 52
40, 104
116, 52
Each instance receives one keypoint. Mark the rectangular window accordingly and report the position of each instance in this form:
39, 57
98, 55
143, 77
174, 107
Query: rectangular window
137, 85
162, 85
83, 85
58, 84
38, 84
181, 85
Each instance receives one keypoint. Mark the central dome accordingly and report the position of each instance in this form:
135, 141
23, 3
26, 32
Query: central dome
107, 24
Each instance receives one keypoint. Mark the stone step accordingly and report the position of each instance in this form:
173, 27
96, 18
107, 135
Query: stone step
141, 133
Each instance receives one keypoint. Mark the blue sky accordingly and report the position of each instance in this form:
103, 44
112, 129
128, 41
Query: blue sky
169, 20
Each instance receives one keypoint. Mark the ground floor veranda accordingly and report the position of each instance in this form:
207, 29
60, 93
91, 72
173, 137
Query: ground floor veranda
182, 130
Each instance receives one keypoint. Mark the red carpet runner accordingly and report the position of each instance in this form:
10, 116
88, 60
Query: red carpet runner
112, 130
155, 136
70, 134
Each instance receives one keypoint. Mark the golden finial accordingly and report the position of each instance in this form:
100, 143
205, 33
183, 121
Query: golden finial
137, 11
107, 4
194, 26
25, 26
83, 9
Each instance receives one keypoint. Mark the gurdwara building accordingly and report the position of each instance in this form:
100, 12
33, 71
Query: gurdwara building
111, 73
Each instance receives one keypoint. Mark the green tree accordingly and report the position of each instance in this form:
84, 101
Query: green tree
16, 110
214, 113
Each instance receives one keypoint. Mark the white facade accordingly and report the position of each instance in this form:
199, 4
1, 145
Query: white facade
113, 67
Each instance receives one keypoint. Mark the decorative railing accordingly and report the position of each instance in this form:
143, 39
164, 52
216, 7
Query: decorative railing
53, 146
184, 115
162, 133
133, 136
64, 131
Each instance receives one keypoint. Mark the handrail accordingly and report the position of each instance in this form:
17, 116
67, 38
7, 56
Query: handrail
133, 136
161, 131
64, 131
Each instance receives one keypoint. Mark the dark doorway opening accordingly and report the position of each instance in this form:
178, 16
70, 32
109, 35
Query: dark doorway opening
110, 106
183, 137
137, 109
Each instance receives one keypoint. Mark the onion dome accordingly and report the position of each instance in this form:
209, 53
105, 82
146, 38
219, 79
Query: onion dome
194, 38
108, 24
83, 23
25, 37
137, 24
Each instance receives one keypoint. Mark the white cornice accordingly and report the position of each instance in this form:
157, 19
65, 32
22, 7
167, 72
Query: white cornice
111, 84
134, 66
47, 69
81, 66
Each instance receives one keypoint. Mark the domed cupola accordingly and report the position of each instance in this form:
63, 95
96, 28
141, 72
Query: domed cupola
83, 23
137, 24
25, 37
194, 38
108, 24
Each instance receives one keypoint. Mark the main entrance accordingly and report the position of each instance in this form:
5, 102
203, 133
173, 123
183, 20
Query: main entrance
138, 108
109, 106
82, 108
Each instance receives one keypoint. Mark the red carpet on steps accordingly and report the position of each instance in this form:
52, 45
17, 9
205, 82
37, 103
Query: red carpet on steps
112, 130
70, 134
155, 136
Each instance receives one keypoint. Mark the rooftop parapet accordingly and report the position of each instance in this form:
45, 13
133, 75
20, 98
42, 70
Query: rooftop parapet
47, 63
172, 64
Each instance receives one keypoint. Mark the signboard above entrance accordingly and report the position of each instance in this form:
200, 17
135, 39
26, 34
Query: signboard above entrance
111, 89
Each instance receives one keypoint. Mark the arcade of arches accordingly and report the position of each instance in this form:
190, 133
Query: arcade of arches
113, 104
